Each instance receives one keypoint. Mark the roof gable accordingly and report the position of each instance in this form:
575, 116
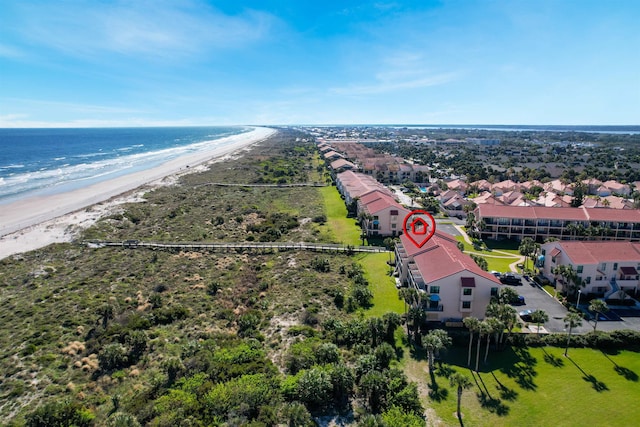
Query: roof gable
440, 258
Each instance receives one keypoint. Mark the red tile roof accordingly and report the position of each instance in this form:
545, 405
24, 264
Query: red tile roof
571, 214
596, 252
375, 201
440, 257
341, 163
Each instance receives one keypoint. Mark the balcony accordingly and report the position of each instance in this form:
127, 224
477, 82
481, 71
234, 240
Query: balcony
434, 303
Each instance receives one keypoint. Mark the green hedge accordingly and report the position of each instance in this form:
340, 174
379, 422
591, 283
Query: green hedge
625, 339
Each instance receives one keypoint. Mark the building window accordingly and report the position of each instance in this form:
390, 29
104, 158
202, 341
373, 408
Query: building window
466, 304
615, 266
579, 270
393, 226
467, 291
494, 292
434, 289
393, 213
588, 280
603, 266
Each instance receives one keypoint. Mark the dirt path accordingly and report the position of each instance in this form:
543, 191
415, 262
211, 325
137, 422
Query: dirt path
418, 372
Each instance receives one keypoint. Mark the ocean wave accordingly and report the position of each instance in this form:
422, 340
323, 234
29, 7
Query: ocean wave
16, 166
91, 169
89, 155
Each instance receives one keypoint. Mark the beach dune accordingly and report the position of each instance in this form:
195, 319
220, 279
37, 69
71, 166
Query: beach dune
39, 221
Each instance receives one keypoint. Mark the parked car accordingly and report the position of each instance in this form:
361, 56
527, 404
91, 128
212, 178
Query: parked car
511, 279
496, 273
541, 280
526, 315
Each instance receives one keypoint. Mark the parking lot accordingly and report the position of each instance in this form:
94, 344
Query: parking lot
537, 299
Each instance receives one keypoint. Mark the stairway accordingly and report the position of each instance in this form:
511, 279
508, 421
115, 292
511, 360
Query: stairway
614, 288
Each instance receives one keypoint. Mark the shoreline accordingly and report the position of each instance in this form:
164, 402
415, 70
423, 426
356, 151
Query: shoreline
36, 222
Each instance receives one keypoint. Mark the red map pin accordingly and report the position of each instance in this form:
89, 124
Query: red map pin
419, 226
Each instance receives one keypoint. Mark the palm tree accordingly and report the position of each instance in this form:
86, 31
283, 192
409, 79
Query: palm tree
538, 317
570, 277
106, 312
433, 342
494, 326
527, 249
473, 324
572, 229
507, 295
483, 329
461, 382
572, 320
506, 314
409, 296
417, 317
598, 306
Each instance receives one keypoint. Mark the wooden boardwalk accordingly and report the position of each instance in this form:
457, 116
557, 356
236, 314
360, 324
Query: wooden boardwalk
294, 185
236, 247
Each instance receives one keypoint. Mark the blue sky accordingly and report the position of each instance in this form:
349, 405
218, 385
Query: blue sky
191, 62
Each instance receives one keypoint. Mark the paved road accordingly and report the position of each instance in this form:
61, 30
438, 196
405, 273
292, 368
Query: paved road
447, 228
536, 298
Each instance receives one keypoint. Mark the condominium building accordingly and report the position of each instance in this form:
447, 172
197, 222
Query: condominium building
539, 223
452, 284
381, 215
603, 267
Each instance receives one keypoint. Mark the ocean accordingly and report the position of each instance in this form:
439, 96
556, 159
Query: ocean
36, 162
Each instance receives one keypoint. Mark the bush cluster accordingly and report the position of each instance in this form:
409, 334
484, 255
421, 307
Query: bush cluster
625, 339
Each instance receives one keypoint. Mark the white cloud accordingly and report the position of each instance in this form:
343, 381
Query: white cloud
23, 121
70, 106
10, 52
394, 82
141, 28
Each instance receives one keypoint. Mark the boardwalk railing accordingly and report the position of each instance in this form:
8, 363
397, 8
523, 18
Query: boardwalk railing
239, 246
292, 185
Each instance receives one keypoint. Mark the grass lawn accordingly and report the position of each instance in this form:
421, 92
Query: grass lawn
342, 229
539, 387
550, 289
497, 264
385, 294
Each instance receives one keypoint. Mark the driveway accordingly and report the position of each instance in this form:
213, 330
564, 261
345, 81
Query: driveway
447, 227
537, 299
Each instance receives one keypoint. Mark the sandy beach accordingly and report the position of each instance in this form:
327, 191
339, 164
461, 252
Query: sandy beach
37, 222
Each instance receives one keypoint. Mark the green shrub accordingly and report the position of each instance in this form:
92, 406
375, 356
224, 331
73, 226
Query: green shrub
61, 413
112, 357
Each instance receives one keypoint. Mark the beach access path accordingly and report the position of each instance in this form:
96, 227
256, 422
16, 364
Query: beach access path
230, 246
